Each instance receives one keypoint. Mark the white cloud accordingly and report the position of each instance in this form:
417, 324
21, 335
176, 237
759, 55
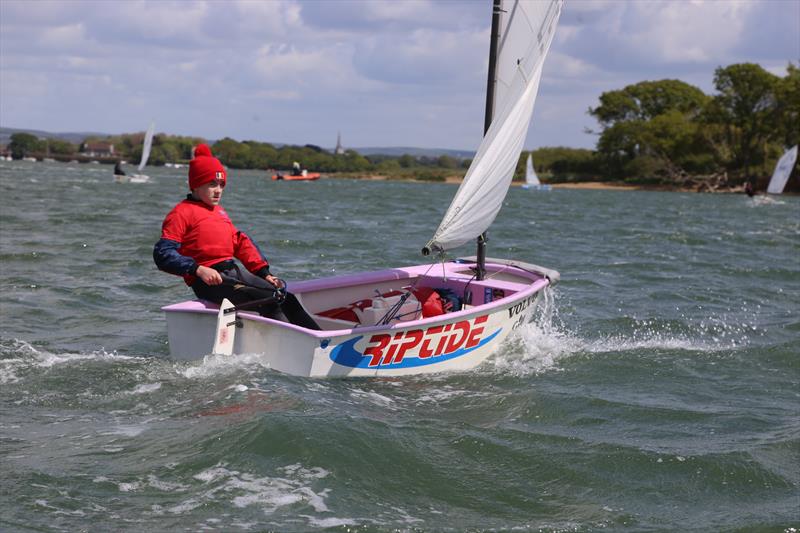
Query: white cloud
72, 36
423, 56
290, 68
160, 20
559, 65
277, 95
679, 32
77, 62
41, 12
274, 18
393, 11
399, 72
589, 7
188, 66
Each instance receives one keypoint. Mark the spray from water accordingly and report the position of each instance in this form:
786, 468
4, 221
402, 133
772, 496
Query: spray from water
542, 344
539, 345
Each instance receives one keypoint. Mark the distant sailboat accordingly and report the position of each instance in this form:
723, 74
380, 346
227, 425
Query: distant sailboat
782, 171
531, 179
140, 178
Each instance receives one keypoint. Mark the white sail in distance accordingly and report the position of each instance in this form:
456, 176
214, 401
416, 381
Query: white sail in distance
527, 29
782, 171
530, 175
148, 143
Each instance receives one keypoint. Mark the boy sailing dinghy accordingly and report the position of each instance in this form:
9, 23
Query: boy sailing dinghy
399, 321
140, 178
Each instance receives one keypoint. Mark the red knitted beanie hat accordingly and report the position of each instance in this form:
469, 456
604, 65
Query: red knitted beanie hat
205, 168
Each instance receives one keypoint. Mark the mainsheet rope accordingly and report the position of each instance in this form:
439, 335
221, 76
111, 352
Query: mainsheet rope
393, 310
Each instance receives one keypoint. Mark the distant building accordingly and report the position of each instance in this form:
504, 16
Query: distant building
339, 148
98, 149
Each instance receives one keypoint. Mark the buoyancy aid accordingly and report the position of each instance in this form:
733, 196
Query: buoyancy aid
206, 235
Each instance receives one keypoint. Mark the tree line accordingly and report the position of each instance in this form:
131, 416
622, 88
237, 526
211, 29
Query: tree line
666, 131
672, 133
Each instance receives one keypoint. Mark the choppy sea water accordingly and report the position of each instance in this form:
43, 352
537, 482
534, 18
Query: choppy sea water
657, 390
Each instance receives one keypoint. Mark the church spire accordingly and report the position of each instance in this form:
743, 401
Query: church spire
339, 148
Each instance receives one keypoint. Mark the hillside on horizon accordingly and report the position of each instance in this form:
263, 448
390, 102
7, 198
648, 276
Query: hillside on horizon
79, 137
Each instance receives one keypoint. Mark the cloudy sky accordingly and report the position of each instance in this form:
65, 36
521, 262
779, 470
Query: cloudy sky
384, 73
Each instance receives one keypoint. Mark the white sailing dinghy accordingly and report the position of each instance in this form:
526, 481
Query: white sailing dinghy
783, 169
531, 179
139, 177
378, 323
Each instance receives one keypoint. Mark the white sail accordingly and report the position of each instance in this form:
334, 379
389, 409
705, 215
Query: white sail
782, 171
527, 29
530, 175
148, 142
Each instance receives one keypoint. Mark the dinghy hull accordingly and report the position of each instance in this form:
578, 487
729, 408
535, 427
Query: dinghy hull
449, 342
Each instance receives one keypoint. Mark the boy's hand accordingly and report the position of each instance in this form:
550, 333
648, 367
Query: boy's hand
208, 275
274, 281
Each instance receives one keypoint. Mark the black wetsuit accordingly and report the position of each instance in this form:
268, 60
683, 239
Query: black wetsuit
255, 289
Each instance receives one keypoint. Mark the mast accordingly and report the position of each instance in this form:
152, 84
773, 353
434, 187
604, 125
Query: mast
490, 85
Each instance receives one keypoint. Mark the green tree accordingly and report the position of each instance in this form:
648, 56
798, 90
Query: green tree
445, 161
746, 108
232, 153
388, 165
263, 155
357, 162
407, 161
647, 100
23, 144
165, 152
57, 146
677, 141
565, 164
787, 100
636, 119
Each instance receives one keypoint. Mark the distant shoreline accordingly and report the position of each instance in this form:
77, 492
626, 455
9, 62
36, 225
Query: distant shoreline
581, 185
611, 185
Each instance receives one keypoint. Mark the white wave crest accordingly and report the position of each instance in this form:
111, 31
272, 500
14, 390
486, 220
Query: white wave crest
27, 357
145, 388
292, 486
763, 199
216, 365
540, 345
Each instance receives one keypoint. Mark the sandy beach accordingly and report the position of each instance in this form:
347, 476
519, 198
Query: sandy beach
595, 185
585, 185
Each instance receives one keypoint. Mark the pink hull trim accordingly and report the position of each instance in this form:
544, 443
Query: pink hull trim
453, 271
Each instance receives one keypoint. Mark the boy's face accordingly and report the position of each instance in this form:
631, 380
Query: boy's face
209, 193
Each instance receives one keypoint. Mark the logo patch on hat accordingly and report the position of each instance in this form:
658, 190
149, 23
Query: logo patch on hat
219, 175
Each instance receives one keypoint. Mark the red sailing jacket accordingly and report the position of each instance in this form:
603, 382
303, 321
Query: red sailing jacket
207, 235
